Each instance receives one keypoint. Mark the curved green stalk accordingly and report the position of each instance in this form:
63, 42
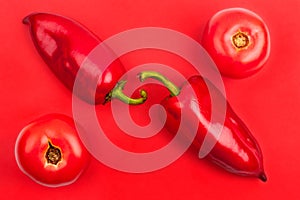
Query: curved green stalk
174, 90
117, 93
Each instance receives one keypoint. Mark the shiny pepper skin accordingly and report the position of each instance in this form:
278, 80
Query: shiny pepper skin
64, 44
236, 150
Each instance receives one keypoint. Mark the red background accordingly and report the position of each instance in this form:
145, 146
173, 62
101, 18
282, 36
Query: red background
268, 102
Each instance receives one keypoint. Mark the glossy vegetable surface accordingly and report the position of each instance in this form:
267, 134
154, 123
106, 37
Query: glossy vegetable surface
50, 152
235, 150
64, 44
238, 40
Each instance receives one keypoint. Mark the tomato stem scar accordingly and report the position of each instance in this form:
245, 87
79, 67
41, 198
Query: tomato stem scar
240, 40
53, 154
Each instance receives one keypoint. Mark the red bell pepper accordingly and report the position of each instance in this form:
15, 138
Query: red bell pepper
236, 150
64, 44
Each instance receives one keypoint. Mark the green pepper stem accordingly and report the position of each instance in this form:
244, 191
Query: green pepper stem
117, 93
174, 90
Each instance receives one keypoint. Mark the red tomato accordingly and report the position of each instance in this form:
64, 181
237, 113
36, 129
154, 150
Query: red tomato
50, 151
238, 41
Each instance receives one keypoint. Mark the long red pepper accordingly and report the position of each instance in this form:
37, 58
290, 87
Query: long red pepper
236, 150
64, 44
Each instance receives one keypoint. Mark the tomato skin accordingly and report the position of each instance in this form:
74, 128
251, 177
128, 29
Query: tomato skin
232, 59
32, 145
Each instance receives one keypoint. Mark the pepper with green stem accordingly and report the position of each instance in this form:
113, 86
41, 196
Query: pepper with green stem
64, 44
236, 150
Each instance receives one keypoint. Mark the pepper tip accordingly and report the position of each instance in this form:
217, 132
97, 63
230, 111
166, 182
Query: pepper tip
26, 20
263, 177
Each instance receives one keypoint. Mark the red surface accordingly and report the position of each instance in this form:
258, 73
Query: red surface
268, 102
